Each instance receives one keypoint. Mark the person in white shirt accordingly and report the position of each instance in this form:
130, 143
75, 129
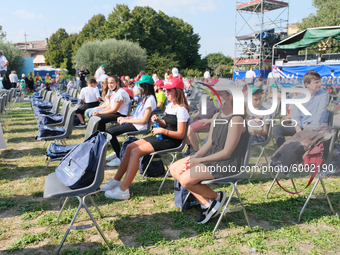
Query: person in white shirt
119, 104
13, 77
207, 74
100, 71
250, 76
3, 64
274, 78
90, 98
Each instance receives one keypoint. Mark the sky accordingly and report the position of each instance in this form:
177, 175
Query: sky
213, 20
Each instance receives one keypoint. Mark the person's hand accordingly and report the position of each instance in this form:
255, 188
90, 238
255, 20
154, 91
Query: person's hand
156, 131
252, 131
95, 113
190, 162
154, 118
122, 120
205, 121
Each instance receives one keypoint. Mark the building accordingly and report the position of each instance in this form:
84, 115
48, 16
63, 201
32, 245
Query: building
35, 50
292, 29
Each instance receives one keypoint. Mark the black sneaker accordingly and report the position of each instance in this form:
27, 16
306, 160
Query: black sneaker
222, 199
207, 213
81, 125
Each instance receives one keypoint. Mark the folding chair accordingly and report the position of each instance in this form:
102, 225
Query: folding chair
55, 188
68, 126
64, 111
55, 107
232, 180
92, 127
161, 113
173, 152
262, 146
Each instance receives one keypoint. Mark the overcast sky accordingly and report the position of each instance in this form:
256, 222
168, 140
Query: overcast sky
213, 20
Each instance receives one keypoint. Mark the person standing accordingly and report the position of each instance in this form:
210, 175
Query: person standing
207, 74
100, 71
273, 78
221, 73
250, 76
13, 77
166, 75
82, 76
3, 64
30, 83
48, 80
175, 74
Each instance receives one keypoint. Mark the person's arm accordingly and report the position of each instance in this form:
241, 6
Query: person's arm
321, 112
262, 132
233, 138
6, 64
141, 121
108, 110
161, 122
159, 105
86, 72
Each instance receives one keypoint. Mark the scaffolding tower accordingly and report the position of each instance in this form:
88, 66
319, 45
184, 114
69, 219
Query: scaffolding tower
257, 23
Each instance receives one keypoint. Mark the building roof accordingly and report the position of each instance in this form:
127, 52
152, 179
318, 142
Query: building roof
33, 45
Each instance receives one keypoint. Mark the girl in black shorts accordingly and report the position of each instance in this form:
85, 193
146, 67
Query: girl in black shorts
172, 129
221, 156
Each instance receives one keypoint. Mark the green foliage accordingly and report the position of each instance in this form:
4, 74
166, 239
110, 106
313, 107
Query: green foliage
2, 33
91, 31
14, 56
119, 57
327, 14
160, 63
214, 60
192, 73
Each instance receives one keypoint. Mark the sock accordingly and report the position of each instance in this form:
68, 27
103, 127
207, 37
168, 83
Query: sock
218, 196
205, 206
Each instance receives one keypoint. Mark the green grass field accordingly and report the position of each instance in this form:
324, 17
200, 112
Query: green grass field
148, 223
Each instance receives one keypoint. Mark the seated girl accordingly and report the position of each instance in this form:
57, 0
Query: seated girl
224, 149
172, 129
139, 120
118, 106
106, 94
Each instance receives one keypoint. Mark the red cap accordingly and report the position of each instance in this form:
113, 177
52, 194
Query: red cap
274, 67
123, 77
174, 83
159, 83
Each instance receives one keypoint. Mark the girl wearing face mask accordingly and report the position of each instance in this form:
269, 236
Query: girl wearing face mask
118, 106
221, 156
172, 128
137, 122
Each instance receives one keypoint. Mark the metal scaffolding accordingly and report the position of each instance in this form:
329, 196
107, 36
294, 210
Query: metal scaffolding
254, 21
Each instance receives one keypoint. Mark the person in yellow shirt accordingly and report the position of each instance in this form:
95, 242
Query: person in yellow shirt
37, 79
48, 80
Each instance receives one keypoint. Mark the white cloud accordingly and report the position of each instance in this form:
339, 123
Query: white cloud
28, 15
193, 6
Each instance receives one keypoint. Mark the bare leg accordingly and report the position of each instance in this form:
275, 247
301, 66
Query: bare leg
193, 139
80, 117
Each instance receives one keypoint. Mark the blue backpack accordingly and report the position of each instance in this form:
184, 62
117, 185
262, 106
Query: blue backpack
180, 195
45, 119
46, 131
78, 167
59, 150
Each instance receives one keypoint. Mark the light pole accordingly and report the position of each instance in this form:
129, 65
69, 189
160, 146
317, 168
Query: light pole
126, 35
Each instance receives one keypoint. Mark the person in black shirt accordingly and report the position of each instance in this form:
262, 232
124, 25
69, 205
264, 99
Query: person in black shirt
82, 75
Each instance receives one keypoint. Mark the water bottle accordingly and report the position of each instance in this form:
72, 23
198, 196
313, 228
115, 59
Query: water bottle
158, 136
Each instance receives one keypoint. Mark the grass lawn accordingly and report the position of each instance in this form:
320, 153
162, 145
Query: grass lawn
148, 223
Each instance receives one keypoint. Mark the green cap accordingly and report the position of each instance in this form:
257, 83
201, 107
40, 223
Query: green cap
146, 79
103, 66
255, 88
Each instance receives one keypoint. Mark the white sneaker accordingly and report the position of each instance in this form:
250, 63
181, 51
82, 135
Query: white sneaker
114, 162
113, 155
111, 184
117, 193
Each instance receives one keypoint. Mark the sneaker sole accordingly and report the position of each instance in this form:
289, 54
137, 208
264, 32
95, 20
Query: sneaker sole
213, 210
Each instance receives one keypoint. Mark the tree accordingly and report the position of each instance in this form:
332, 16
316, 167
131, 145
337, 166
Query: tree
14, 56
119, 57
92, 30
327, 14
214, 60
55, 53
2, 34
160, 63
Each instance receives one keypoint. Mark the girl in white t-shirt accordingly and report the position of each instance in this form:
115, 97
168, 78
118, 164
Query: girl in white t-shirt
118, 106
172, 129
106, 94
138, 121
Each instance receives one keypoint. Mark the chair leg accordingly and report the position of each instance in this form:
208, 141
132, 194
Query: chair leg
326, 194
293, 184
47, 164
94, 204
185, 200
69, 228
174, 156
147, 166
62, 208
308, 198
244, 209
224, 210
272, 184
95, 223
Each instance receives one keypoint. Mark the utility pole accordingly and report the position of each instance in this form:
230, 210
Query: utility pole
126, 34
25, 41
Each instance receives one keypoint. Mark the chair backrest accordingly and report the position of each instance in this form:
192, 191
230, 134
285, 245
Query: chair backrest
330, 118
68, 126
182, 145
68, 90
92, 126
56, 104
44, 94
4, 101
41, 92
75, 92
329, 156
247, 155
1, 106
130, 108
270, 130
48, 97
64, 108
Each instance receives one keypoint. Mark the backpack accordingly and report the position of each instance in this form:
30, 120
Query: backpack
180, 195
78, 168
46, 131
59, 150
156, 167
45, 119
44, 105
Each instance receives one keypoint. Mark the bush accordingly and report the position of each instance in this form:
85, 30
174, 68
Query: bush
192, 73
14, 56
119, 57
